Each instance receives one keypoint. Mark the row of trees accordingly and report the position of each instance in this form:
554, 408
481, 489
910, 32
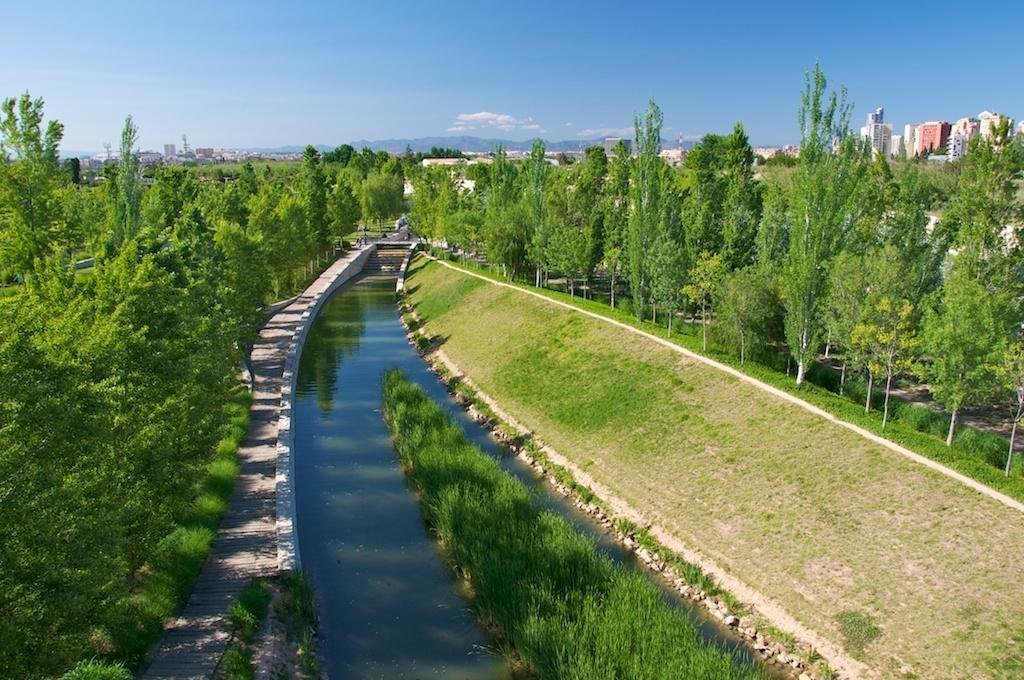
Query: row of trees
838, 258
116, 378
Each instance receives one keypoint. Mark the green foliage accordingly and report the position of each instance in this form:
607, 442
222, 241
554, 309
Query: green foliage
380, 196
566, 611
95, 669
858, 631
247, 613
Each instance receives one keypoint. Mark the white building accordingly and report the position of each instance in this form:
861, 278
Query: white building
910, 138
878, 132
896, 148
170, 151
957, 146
988, 119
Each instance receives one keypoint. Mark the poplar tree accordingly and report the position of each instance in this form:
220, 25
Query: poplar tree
314, 196
823, 209
616, 214
535, 174
645, 204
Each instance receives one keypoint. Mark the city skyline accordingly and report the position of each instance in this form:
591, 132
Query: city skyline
324, 75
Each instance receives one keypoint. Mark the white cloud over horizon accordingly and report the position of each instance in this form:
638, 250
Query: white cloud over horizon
605, 132
487, 120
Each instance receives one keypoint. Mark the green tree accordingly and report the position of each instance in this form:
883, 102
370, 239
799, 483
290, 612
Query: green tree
342, 209
30, 178
380, 197
1011, 373
823, 209
128, 201
965, 337
888, 339
615, 204
745, 304
645, 204
314, 196
535, 175
705, 278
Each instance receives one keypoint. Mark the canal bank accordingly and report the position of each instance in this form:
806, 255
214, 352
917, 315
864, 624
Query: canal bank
388, 605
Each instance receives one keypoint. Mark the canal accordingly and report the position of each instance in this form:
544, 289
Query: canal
387, 604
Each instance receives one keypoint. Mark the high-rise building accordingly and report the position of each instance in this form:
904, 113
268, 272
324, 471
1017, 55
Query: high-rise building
878, 132
170, 151
956, 147
931, 136
967, 127
910, 138
987, 119
897, 146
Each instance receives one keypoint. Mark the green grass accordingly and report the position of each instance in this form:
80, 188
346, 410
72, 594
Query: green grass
94, 669
566, 611
167, 580
976, 454
858, 631
809, 513
246, 615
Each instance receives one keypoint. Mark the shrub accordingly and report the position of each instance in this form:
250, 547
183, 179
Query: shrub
94, 669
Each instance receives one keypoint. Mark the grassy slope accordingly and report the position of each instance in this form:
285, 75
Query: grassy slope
809, 513
567, 611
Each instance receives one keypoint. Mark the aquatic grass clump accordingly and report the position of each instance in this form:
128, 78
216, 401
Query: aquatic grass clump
567, 611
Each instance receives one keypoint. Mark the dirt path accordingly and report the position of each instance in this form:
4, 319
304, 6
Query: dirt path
892, 446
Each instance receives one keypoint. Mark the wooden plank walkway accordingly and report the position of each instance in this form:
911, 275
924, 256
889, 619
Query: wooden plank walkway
246, 543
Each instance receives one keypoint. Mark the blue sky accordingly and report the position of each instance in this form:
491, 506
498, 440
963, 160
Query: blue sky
267, 74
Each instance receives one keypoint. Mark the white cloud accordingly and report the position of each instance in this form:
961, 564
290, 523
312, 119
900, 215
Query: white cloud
486, 120
590, 133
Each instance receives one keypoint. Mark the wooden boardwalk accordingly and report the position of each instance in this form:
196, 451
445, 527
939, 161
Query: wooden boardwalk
246, 543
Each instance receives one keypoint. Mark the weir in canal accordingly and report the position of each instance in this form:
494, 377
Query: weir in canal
387, 604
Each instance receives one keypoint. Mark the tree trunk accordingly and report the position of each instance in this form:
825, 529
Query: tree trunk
952, 426
867, 401
538, 276
654, 307
613, 288
828, 345
1013, 436
800, 371
742, 348
670, 325
842, 379
704, 326
885, 409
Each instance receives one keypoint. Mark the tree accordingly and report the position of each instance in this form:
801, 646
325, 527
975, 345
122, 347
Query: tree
823, 207
744, 306
30, 177
645, 204
889, 340
508, 231
380, 196
965, 337
535, 174
615, 205
1012, 377
342, 209
128, 202
844, 310
705, 277
314, 196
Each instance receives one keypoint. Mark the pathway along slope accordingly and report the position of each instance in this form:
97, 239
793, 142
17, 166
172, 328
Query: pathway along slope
246, 546
893, 446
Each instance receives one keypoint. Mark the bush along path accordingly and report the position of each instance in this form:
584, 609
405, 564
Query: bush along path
539, 585
798, 650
